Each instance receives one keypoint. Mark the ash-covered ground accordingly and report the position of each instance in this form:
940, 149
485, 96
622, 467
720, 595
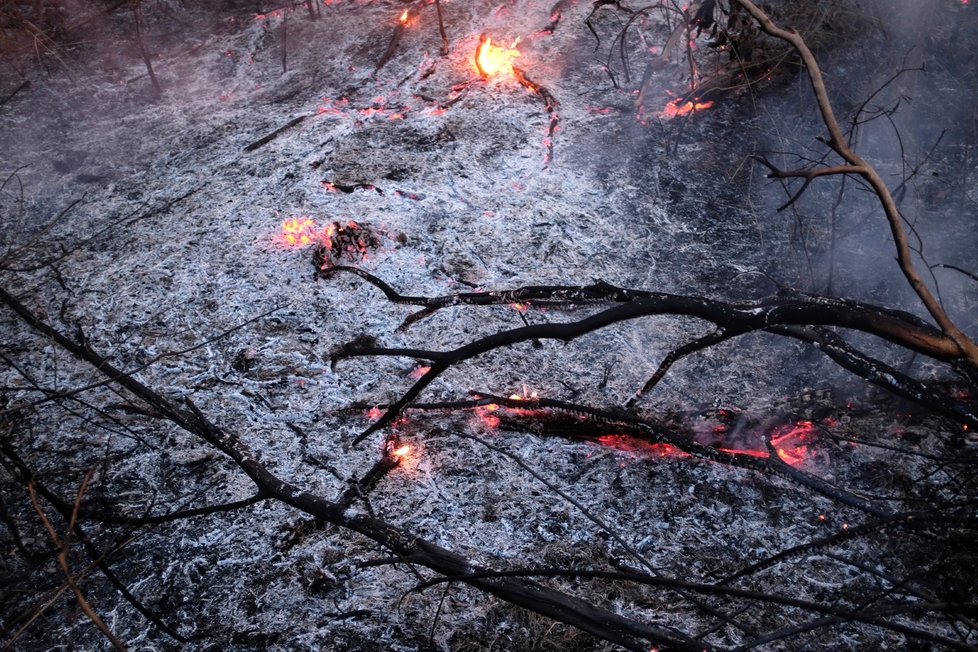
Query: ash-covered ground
152, 227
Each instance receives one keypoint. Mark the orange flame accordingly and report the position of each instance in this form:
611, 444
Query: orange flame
404, 18
677, 107
299, 232
401, 451
791, 442
493, 60
486, 416
296, 233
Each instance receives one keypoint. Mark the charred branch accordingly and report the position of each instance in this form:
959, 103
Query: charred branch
441, 29
264, 140
391, 50
773, 315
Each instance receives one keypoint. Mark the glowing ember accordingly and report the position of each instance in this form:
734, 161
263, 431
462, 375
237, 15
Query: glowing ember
417, 372
677, 107
791, 442
297, 232
640, 447
486, 416
401, 451
374, 413
492, 60
404, 18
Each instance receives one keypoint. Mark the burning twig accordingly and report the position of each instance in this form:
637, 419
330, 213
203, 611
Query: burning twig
394, 452
782, 316
353, 241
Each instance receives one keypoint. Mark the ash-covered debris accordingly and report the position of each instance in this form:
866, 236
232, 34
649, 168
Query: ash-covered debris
176, 265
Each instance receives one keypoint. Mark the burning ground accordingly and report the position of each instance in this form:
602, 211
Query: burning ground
197, 239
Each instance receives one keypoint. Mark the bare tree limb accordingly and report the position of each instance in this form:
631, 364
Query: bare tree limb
837, 141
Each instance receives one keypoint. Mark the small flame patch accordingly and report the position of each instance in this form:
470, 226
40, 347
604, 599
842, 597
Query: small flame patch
792, 442
299, 232
493, 60
679, 108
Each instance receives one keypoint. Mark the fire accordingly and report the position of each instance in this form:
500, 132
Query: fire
677, 107
401, 451
486, 416
791, 442
298, 232
639, 447
404, 18
492, 60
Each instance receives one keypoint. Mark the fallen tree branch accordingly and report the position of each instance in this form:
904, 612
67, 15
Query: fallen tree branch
870, 617
773, 315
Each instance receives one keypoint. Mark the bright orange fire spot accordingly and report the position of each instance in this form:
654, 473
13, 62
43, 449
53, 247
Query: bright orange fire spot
404, 18
299, 232
640, 447
374, 413
677, 107
492, 60
486, 416
401, 451
791, 442
525, 396
296, 233
522, 307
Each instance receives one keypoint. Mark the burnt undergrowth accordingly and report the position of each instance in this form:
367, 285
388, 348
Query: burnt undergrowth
142, 510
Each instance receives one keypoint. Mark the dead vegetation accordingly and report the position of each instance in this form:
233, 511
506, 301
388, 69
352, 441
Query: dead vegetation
889, 556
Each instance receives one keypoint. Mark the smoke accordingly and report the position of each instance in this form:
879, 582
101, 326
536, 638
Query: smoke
904, 88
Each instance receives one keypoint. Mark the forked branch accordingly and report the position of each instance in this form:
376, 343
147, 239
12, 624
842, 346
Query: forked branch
855, 164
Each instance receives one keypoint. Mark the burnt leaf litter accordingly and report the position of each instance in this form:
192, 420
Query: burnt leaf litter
311, 187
